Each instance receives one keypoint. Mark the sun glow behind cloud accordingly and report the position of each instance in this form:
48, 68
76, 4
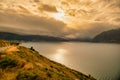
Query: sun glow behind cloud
60, 15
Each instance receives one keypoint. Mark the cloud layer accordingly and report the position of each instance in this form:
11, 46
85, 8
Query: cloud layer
82, 18
31, 24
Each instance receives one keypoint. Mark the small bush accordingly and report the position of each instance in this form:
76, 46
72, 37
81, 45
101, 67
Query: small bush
46, 69
49, 75
7, 62
28, 76
51, 66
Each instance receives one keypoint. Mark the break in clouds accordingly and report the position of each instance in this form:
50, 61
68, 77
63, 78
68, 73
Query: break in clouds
82, 18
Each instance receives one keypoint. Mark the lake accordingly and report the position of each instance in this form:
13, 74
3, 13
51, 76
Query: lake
101, 60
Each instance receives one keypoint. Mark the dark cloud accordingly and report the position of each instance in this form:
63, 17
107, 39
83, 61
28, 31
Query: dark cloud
72, 1
49, 8
71, 12
31, 24
36, 0
65, 3
23, 9
90, 30
117, 19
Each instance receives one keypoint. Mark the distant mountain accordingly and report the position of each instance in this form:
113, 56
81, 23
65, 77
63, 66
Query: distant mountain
13, 36
112, 36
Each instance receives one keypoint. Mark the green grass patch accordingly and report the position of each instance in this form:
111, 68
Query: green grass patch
7, 62
27, 75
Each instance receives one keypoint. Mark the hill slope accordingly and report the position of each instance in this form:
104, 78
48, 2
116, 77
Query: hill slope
112, 36
20, 63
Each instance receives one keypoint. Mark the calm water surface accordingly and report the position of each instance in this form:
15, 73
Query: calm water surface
100, 60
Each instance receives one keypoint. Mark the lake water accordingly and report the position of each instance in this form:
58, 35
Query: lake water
101, 60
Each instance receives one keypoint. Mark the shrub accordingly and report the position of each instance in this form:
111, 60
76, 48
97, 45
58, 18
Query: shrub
26, 75
49, 75
7, 62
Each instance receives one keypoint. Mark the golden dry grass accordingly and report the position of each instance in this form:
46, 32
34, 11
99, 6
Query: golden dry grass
21, 62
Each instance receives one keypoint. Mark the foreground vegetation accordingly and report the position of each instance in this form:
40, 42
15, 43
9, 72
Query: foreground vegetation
21, 63
4, 43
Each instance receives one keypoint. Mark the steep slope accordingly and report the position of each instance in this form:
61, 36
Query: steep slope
108, 36
20, 63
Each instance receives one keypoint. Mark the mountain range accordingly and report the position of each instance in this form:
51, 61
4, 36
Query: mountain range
19, 37
112, 36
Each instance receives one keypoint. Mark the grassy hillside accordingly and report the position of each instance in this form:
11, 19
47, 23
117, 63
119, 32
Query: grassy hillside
21, 63
4, 43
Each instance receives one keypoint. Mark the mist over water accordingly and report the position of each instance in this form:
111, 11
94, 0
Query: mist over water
97, 59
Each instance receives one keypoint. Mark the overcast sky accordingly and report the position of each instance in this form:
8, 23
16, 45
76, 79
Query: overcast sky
64, 18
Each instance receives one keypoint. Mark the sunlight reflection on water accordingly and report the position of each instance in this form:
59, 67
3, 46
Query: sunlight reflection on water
59, 54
